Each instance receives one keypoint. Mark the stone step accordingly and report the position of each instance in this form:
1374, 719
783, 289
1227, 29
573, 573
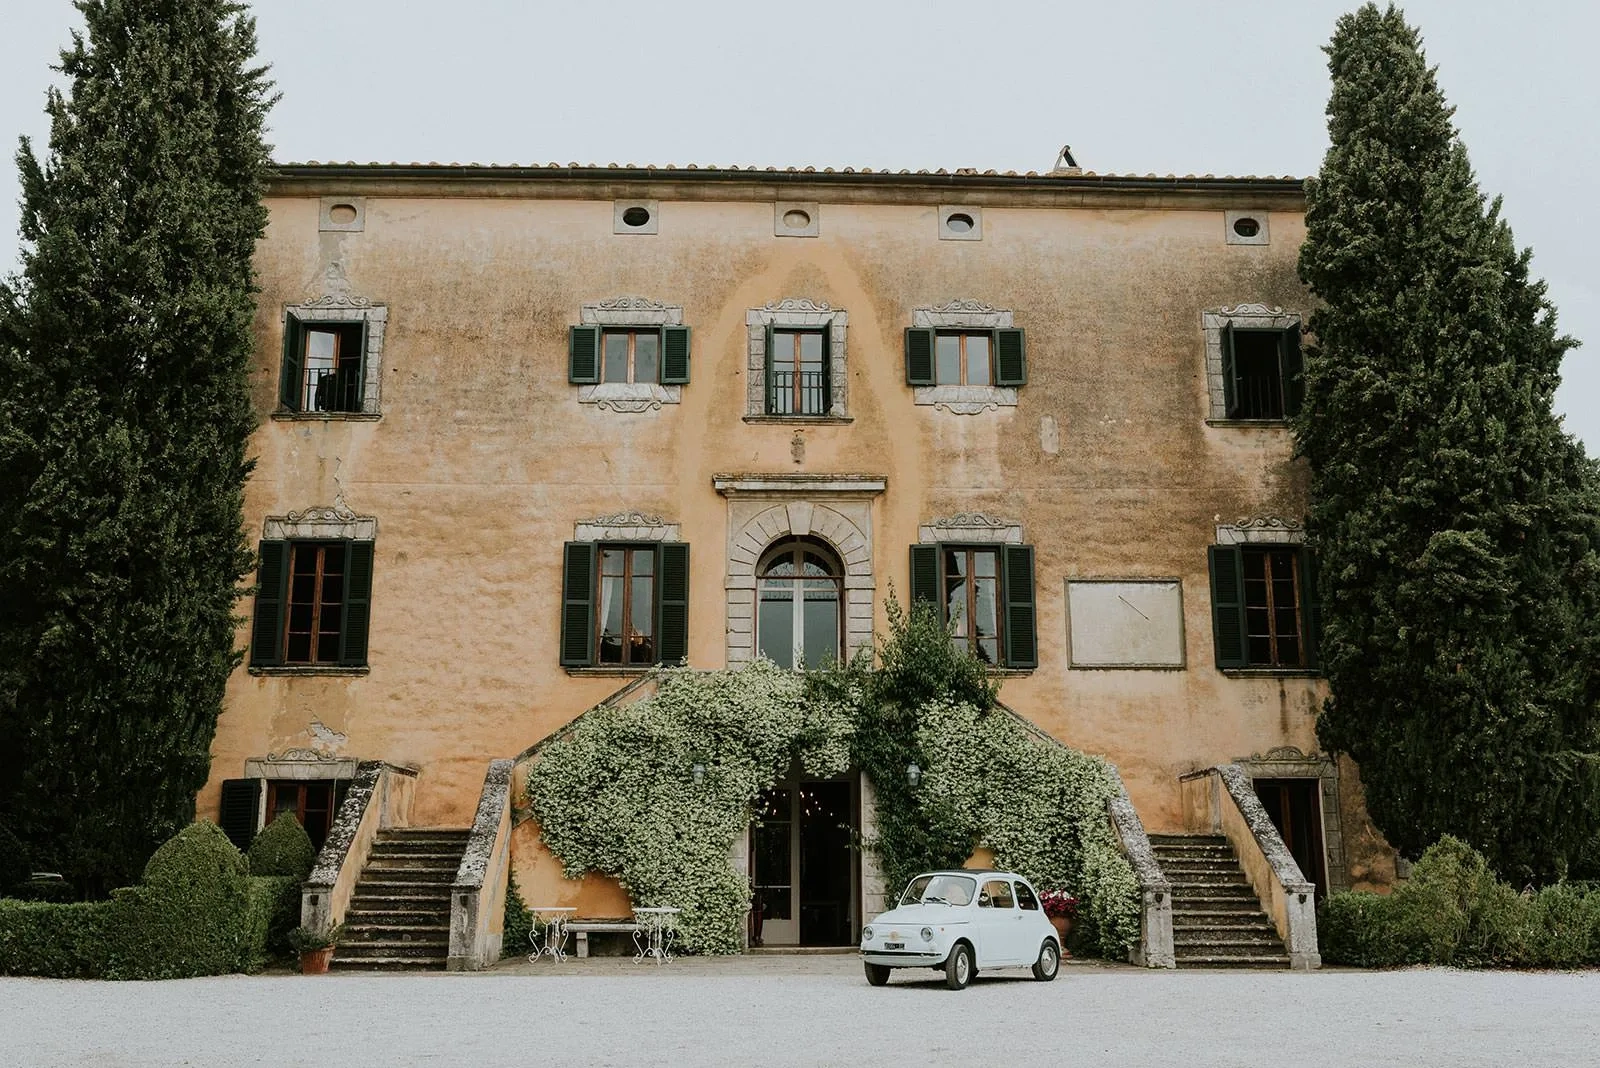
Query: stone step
1187, 891
1222, 921
1222, 942
385, 931
1264, 960
1207, 877
442, 857
388, 964
1159, 840
387, 874
423, 834
394, 948
365, 915
1171, 864
414, 893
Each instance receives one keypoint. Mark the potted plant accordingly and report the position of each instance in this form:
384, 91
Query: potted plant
315, 946
1062, 908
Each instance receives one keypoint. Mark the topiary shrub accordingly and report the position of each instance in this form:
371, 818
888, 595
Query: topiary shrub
274, 911
15, 867
514, 941
283, 848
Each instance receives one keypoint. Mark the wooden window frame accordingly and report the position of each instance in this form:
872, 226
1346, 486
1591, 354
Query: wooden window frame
342, 332
633, 334
1267, 552
795, 549
963, 335
322, 549
797, 384
627, 549
970, 552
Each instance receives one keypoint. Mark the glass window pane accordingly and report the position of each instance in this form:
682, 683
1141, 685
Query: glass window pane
299, 651
986, 612
947, 360
611, 561
1260, 650
978, 360
1288, 651
775, 625
616, 358
820, 627
646, 357
611, 619
985, 564
328, 645
643, 607
811, 349
1025, 899
321, 347
1255, 564
644, 561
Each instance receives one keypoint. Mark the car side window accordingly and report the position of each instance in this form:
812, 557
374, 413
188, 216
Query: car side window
1025, 899
996, 894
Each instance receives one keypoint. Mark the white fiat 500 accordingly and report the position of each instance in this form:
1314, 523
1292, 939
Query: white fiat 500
960, 922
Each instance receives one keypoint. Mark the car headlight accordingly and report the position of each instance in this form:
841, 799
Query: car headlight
866, 934
927, 934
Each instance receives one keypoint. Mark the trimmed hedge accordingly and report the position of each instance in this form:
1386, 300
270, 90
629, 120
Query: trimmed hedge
196, 912
1453, 911
283, 848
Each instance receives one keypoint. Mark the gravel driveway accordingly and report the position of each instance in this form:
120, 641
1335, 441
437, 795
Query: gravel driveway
808, 1011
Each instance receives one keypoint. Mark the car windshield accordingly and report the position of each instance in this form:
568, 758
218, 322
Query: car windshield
940, 890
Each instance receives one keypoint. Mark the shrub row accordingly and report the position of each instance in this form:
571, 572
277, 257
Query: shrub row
197, 911
1454, 911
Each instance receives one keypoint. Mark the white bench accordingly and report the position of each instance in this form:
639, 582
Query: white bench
583, 928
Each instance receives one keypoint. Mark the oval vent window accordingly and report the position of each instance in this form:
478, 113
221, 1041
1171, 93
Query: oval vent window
796, 220
343, 214
636, 216
959, 223
1246, 227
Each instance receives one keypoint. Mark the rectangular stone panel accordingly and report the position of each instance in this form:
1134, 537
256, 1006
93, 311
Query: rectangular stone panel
1125, 623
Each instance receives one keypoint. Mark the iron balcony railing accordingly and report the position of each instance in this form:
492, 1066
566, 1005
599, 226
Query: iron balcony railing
810, 397
330, 389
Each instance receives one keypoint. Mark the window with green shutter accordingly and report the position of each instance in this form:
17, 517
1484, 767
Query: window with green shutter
239, 812
1261, 372
583, 354
313, 604
1264, 611
985, 594
624, 605
652, 355
324, 365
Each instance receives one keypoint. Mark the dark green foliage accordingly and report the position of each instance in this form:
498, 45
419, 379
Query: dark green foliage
283, 848
1453, 911
15, 867
519, 921
125, 346
195, 913
1457, 523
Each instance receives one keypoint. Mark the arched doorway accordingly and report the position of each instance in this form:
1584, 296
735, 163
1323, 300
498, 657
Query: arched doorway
799, 594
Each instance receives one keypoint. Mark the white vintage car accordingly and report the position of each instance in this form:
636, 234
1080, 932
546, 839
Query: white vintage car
960, 922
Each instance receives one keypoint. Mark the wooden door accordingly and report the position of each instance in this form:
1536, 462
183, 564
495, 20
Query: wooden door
1295, 807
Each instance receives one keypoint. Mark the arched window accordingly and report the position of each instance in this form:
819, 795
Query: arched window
799, 594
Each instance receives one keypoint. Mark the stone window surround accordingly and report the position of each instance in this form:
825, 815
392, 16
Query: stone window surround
781, 227
326, 223
764, 509
1262, 530
1262, 236
622, 207
334, 522
962, 314
1244, 317
629, 397
626, 526
970, 528
947, 234
1288, 762
337, 308
795, 313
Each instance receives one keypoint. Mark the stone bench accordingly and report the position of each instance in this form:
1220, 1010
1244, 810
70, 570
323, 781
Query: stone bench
582, 929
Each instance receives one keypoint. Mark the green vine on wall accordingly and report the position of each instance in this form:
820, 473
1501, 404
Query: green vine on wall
618, 795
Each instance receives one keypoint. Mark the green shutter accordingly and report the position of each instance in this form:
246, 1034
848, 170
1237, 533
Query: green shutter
672, 602
1292, 368
1227, 605
1022, 639
827, 371
675, 356
1311, 607
925, 575
766, 380
1010, 358
919, 357
357, 603
1230, 375
272, 579
358, 388
294, 347
240, 810
583, 354
577, 604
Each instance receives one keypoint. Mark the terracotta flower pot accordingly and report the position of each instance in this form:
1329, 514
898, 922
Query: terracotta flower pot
1062, 924
315, 961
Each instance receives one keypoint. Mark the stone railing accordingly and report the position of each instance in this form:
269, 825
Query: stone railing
379, 798
478, 897
1154, 948
1221, 800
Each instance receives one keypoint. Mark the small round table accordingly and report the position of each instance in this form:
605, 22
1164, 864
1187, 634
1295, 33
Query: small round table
552, 943
658, 926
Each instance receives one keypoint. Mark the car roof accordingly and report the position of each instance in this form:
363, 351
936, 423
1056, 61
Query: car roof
974, 871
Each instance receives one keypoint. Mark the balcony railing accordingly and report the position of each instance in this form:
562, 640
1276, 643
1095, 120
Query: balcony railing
810, 398
331, 389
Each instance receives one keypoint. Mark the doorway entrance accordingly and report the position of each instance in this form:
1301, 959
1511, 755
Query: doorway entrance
1295, 807
804, 864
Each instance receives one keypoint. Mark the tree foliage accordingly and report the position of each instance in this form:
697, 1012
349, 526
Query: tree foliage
124, 414
1457, 522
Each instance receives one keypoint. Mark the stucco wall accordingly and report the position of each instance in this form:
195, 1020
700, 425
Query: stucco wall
483, 459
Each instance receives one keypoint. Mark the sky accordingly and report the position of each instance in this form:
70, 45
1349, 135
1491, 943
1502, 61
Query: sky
1137, 86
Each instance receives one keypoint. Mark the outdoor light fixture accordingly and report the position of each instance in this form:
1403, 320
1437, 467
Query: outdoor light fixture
699, 772
913, 774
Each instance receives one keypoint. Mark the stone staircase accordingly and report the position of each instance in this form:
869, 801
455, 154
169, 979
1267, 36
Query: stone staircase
399, 915
1217, 920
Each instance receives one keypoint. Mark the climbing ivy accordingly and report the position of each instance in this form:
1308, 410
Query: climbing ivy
618, 795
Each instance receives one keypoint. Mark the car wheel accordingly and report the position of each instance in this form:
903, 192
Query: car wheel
1049, 962
877, 974
958, 969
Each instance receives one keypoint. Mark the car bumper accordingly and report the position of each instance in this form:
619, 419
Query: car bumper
901, 958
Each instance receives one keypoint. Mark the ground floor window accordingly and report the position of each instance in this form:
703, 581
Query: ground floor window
313, 802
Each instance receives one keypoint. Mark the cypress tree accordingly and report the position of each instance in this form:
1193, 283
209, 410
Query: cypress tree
125, 344
1457, 522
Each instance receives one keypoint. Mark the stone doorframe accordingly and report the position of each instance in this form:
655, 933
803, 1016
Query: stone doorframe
1288, 762
762, 509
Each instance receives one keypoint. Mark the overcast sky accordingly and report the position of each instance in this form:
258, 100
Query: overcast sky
1136, 86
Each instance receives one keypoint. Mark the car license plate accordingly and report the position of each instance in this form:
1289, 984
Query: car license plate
894, 945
